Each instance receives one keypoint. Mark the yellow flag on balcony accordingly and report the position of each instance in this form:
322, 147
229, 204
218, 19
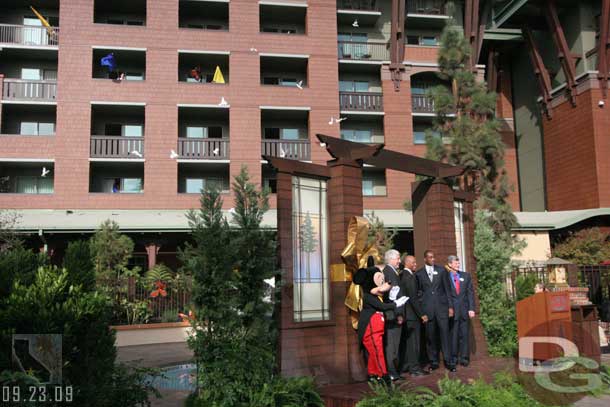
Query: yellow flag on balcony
43, 21
218, 78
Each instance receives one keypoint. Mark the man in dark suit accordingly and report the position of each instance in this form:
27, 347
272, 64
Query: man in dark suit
462, 299
413, 317
432, 282
393, 333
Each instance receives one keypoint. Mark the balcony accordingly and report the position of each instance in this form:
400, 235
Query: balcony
427, 8
28, 35
422, 104
365, 13
290, 149
361, 101
116, 178
117, 147
193, 177
363, 51
283, 18
203, 15
29, 90
120, 12
357, 5
34, 178
203, 149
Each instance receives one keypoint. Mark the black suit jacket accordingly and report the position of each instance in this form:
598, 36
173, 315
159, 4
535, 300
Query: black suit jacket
371, 304
408, 284
434, 295
464, 301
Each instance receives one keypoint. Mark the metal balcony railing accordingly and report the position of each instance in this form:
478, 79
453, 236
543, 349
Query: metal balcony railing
361, 101
117, 147
28, 35
422, 104
360, 5
372, 51
22, 89
203, 148
291, 149
427, 7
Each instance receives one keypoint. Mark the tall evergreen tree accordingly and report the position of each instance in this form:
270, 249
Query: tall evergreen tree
466, 117
232, 341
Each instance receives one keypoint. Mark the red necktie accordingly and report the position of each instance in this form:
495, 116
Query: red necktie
457, 283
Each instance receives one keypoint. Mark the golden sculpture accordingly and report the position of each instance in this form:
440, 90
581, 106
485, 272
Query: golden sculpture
355, 256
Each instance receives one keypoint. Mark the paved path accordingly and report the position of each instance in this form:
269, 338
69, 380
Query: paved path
159, 355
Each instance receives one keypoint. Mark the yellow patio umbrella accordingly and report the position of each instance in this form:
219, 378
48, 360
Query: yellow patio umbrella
218, 78
43, 21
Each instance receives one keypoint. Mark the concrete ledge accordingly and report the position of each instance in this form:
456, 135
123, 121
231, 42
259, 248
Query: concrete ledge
149, 334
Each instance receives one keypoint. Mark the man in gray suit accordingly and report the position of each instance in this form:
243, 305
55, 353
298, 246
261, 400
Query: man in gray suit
393, 325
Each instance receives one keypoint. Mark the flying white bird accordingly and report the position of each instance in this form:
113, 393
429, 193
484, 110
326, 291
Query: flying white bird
223, 102
45, 172
253, 50
173, 155
232, 211
216, 151
300, 85
332, 120
340, 119
355, 24
136, 153
322, 145
282, 152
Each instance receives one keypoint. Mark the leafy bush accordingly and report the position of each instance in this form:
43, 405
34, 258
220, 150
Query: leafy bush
18, 264
587, 246
170, 315
51, 305
160, 272
493, 254
78, 263
525, 284
503, 391
291, 392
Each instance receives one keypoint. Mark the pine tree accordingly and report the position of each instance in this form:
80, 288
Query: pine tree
233, 335
307, 239
466, 117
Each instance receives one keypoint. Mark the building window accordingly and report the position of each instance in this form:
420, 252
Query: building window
194, 132
353, 86
131, 185
132, 130
37, 129
122, 185
194, 185
429, 41
272, 133
310, 250
290, 134
358, 136
34, 185
373, 183
460, 241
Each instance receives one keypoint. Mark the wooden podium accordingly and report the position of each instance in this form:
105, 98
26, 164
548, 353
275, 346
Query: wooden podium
545, 314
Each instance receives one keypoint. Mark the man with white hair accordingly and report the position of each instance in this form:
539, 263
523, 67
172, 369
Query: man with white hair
393, 325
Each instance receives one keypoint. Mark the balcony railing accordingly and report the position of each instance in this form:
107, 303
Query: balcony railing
21, 89
360, 5
117, 147
203, 149
361, 101
422, 104
291, 149
427, 7
28, 35
372, 51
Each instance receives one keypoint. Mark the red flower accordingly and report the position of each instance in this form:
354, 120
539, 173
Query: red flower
160, 290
